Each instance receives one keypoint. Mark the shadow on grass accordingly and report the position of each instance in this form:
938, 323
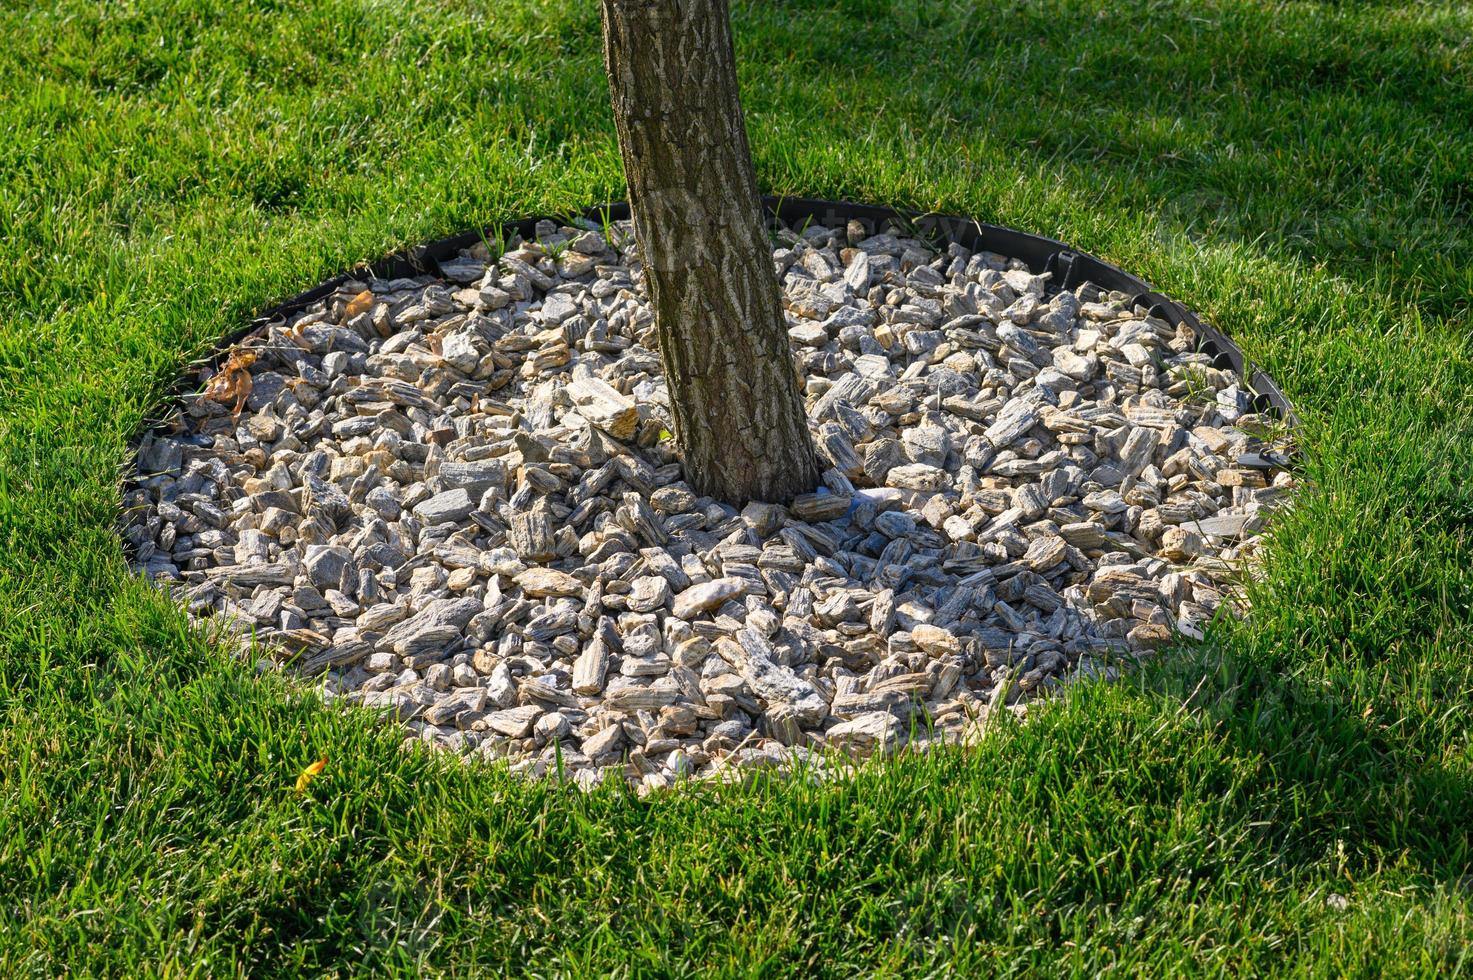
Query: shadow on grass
1337, 779
1223, 118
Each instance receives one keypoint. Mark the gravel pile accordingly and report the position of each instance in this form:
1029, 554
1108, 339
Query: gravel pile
457, 498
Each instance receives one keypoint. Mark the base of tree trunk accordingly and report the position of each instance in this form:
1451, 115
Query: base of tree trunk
735, 403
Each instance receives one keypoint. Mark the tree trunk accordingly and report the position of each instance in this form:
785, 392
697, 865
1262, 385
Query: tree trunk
739, 417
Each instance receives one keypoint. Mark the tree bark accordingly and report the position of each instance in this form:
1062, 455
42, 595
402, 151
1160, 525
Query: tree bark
739, 417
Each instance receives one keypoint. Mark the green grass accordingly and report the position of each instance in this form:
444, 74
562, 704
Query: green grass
1301, 173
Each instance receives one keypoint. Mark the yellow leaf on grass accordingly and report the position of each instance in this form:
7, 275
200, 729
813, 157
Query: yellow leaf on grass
311, 773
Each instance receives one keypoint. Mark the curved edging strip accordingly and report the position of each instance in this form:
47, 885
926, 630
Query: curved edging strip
1068, 266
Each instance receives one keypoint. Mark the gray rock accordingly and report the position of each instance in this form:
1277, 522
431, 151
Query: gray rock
590, 668
436, 615
917, 476
707, 596
1138, 448
557, 308
383, 503
754, 658
512, 722
869, 732
649, 592
449, 505
819, 507
250, 576
926, 444
157, 455
460, 352
1016, 418
328, 566
895, 524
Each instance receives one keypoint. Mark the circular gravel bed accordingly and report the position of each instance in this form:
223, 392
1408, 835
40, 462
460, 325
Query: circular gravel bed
457, 498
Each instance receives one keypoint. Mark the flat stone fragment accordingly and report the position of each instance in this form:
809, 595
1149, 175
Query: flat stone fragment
706, 596
1016, 418
513, 722
159, 455
927, 444
590, 668
868, 732
558, 307
752, 655
1080, 368
1213, 438
460, 352
934, 639
1084, 535
808, 334
327, 565
448, 709
475, 478
249, 576
1122, 585
1222, 526
1045, 552
1181, 544
917, 476
604, 741
1241, 478
819, 507
429, 640
441, 613
641, 698
898, 703
532, 536
451, 505
383, 615
650, 592
1138, 449
601, 404
541, 582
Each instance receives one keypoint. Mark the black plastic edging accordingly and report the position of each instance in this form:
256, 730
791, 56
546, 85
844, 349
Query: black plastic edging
1041, 254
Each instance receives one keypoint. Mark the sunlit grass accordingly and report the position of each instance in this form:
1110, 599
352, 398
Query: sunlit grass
1297, 172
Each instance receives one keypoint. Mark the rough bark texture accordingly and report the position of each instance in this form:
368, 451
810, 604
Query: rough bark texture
739, 418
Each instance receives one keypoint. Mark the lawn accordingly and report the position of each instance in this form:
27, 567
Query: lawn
1293, 795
